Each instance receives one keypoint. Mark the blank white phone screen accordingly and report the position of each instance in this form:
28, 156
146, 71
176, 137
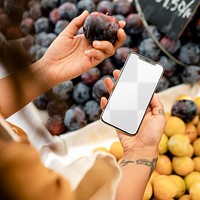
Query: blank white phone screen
132, 93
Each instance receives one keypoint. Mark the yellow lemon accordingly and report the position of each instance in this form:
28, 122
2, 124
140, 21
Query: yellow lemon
191, 178
180, 183
164, 187
174, 125
196, 146
178, 144
148, 191
100, 149
185, 197
117, 150
164, 165
182, 165
183, 96
163, 145
196, 164
195, 191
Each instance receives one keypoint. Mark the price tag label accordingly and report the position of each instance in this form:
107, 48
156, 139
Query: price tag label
170, 16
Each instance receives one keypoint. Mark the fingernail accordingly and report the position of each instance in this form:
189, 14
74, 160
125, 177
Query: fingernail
98, 43
87, 52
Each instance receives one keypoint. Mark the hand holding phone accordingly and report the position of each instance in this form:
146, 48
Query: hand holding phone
132, 93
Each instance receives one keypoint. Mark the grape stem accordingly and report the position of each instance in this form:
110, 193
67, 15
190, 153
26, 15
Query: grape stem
144, 21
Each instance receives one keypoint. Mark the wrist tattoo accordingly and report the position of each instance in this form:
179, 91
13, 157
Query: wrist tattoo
161, 112
151, 164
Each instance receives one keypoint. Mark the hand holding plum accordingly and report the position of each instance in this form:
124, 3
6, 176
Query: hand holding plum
71, 55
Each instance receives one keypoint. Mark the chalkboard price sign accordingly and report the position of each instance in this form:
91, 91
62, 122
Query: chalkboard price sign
170, 16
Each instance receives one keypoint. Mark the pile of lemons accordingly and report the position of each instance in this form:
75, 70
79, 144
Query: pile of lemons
177, 173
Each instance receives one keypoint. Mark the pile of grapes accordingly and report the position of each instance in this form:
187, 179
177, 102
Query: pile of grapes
77, 102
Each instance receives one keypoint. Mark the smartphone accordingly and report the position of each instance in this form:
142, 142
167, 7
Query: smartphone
132, 93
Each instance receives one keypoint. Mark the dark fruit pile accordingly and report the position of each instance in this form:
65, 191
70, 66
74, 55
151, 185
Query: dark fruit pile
77, 101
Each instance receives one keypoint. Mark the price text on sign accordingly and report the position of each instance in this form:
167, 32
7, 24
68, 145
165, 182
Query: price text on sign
170, 16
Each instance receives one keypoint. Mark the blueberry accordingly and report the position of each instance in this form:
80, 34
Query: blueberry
68, 11
42, 25
128, 42
64, 1
99, 90
55, 124
81, 93
92, 110
57, 107
191, 74
60, 26
119, 17
54, 16
64, 90
185, 109
189, 53
75, 118
33, 51
88, 5
149, 49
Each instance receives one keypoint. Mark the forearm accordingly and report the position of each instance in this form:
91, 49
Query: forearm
21, 87
136, 171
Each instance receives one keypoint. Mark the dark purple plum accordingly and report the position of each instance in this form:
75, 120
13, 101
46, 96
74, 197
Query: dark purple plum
105, 7
68, 11
55, 125
41, 102
128, 42
81, 93
122, 7
75, 119
27, 26
99, 90
119, 17
92, 110
163, 84
154, 30
98, 26
88, 5
168, 65
121, 55
170, 45
57, 107
106, 67
54, 16
60, 26
42, 25
50, 37
191, 74
35, 11
72, 1
149, 49
185, 109
91, 76
64, 90
134, 24
48, 5
189, 53
40, 52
